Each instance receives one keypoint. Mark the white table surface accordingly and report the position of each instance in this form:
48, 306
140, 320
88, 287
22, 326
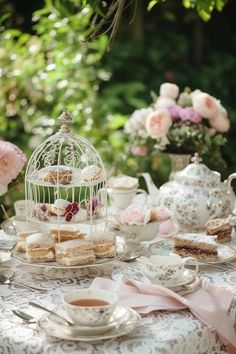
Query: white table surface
161, 332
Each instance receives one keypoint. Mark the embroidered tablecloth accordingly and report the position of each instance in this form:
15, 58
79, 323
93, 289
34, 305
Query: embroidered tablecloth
162, 332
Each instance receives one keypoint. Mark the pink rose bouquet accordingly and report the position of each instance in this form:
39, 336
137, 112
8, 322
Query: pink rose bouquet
179, 122
12, 160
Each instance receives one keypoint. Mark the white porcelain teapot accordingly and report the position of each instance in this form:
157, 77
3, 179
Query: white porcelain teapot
195, 195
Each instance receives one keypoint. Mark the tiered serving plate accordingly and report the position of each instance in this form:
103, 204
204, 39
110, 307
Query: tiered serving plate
164, 248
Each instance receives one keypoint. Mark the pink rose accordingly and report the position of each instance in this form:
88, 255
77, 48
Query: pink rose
160, 214
174, 111
205, 105
139, 150
135, 215
164, 102
158, 123
12, 161
169, 90
189, 114
220, 123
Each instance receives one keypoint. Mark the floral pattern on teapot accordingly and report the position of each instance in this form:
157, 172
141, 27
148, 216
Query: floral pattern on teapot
195, 195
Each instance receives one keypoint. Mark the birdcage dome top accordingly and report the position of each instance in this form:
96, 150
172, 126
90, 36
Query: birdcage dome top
65, 159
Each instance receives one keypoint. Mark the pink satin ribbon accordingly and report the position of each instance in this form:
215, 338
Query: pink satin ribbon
209, 303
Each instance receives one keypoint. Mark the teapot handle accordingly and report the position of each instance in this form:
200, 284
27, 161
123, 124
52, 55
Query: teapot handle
216, 207
230, 179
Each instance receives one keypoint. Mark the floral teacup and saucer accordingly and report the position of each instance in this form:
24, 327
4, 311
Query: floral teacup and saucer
168, 270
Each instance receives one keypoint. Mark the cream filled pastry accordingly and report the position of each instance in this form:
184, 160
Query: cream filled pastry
59, 207
104, 244
39, 248
91, 173
74, 252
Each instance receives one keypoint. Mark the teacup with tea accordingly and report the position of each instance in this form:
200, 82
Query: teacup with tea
164, 269
90, 307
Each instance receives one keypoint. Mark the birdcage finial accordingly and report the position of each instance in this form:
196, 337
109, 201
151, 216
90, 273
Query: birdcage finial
65, 120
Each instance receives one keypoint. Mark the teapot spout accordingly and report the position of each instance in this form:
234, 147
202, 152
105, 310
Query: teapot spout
152, 189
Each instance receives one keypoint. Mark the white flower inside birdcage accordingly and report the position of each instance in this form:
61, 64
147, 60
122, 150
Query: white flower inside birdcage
65, 179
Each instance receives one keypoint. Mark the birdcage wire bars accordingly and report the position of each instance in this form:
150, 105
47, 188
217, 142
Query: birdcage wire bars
65, 181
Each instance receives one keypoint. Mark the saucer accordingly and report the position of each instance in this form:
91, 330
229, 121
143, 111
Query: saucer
127, 323
164, 248
119, 315
136, 273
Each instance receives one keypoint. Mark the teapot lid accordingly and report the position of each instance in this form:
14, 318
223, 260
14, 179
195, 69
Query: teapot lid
197, 171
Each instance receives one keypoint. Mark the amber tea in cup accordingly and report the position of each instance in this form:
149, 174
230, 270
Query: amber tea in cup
90, 307
89, 302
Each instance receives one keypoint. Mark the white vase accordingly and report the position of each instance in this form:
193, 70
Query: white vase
3, 189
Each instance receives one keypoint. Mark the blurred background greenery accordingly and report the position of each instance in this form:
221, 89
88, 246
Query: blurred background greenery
46, 63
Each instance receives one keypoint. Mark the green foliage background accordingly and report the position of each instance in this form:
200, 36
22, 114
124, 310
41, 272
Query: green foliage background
50, 64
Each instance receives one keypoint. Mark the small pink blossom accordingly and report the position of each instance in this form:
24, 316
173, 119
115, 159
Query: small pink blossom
160, 213
174, 111
12, 160
139, 150
212, 131
189, 114
158, 123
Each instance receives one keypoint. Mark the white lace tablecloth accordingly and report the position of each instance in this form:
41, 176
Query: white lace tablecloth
163, 332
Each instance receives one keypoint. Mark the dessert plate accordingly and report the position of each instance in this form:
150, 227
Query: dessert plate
120, 247
136, 273
164, 248
127, 323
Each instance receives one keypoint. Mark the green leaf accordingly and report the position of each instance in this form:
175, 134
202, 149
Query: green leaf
151, 4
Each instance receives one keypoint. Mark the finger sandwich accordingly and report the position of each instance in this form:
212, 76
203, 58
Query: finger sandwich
39, 248
74, 252
65, 233
104, 244
21, 238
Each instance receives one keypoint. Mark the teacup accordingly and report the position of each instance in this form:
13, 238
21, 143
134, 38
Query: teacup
90, 307
121, 198
165, 268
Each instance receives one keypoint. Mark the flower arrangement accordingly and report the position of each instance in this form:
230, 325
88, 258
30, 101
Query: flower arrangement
12, 160
181, 123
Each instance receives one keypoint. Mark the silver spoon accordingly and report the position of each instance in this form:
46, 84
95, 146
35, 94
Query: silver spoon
24, 316
67, 322
8, 280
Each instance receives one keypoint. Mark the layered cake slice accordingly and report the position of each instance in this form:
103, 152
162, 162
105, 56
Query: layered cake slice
220, 228
65, 233
39, 248
74, 252
104, 244
21, 238
199, 246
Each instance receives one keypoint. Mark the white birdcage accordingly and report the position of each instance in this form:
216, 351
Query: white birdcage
65, 180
